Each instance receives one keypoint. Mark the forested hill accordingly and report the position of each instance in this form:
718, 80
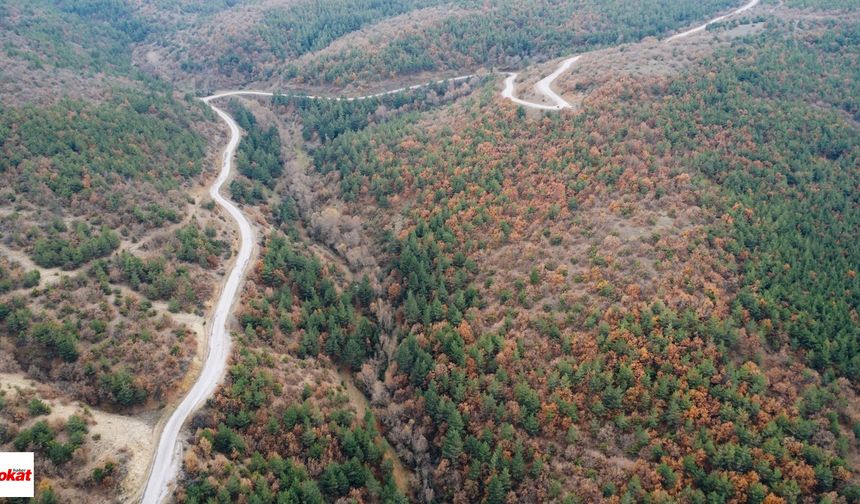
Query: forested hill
364, 42
649, 296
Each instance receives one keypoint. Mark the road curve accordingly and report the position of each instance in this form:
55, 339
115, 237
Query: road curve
165, 464
544, 86
508, 92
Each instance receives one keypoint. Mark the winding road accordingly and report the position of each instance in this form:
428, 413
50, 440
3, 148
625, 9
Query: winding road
166, 462
544, 86
168, 454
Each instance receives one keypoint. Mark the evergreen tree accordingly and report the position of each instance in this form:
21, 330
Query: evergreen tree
353, 352
410, 309
452, 445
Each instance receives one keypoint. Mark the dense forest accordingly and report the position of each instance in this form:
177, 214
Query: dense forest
305, 43
85, 157
327, 119
785, 187
668, 374
85, 34
310, 26
846, 5
303, 300
506, 34
258, 158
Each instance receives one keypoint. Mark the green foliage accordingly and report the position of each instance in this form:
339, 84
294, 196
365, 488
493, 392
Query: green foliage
226, 440
50, 340
509, 31
99, 474
76, 148
282, 476
787, 186
122, 389
452, 445
46, 496
31, 279
739, 126
328, 119
9, 280
259, 154
93, 35
286, 211
823, 4
309, 26
83, 247
338, 324
199, 247
37, 408
244, 192
156, 278
42, 439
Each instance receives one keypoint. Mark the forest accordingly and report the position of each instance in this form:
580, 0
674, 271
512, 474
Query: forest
310, 26
96, 35
507, 35
330, 322
797, 260
668, 373
258, 157
300, 44
85, 155
82, 158
312, 442
327, 119
650, 297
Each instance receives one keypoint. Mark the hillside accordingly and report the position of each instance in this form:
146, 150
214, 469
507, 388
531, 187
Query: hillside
648, 296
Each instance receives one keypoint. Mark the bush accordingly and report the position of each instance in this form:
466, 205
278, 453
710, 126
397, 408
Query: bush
36, 408
121, 388
31, 279
226, 440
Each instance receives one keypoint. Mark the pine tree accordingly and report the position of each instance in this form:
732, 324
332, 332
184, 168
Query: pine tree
364, 293
334, 340
431, 400
353, 352
437, 311
309, 346
498, 488
452, 444
518, 464
454, 315
410, 309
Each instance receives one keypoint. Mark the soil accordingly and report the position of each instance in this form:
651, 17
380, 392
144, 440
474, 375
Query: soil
111, 436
